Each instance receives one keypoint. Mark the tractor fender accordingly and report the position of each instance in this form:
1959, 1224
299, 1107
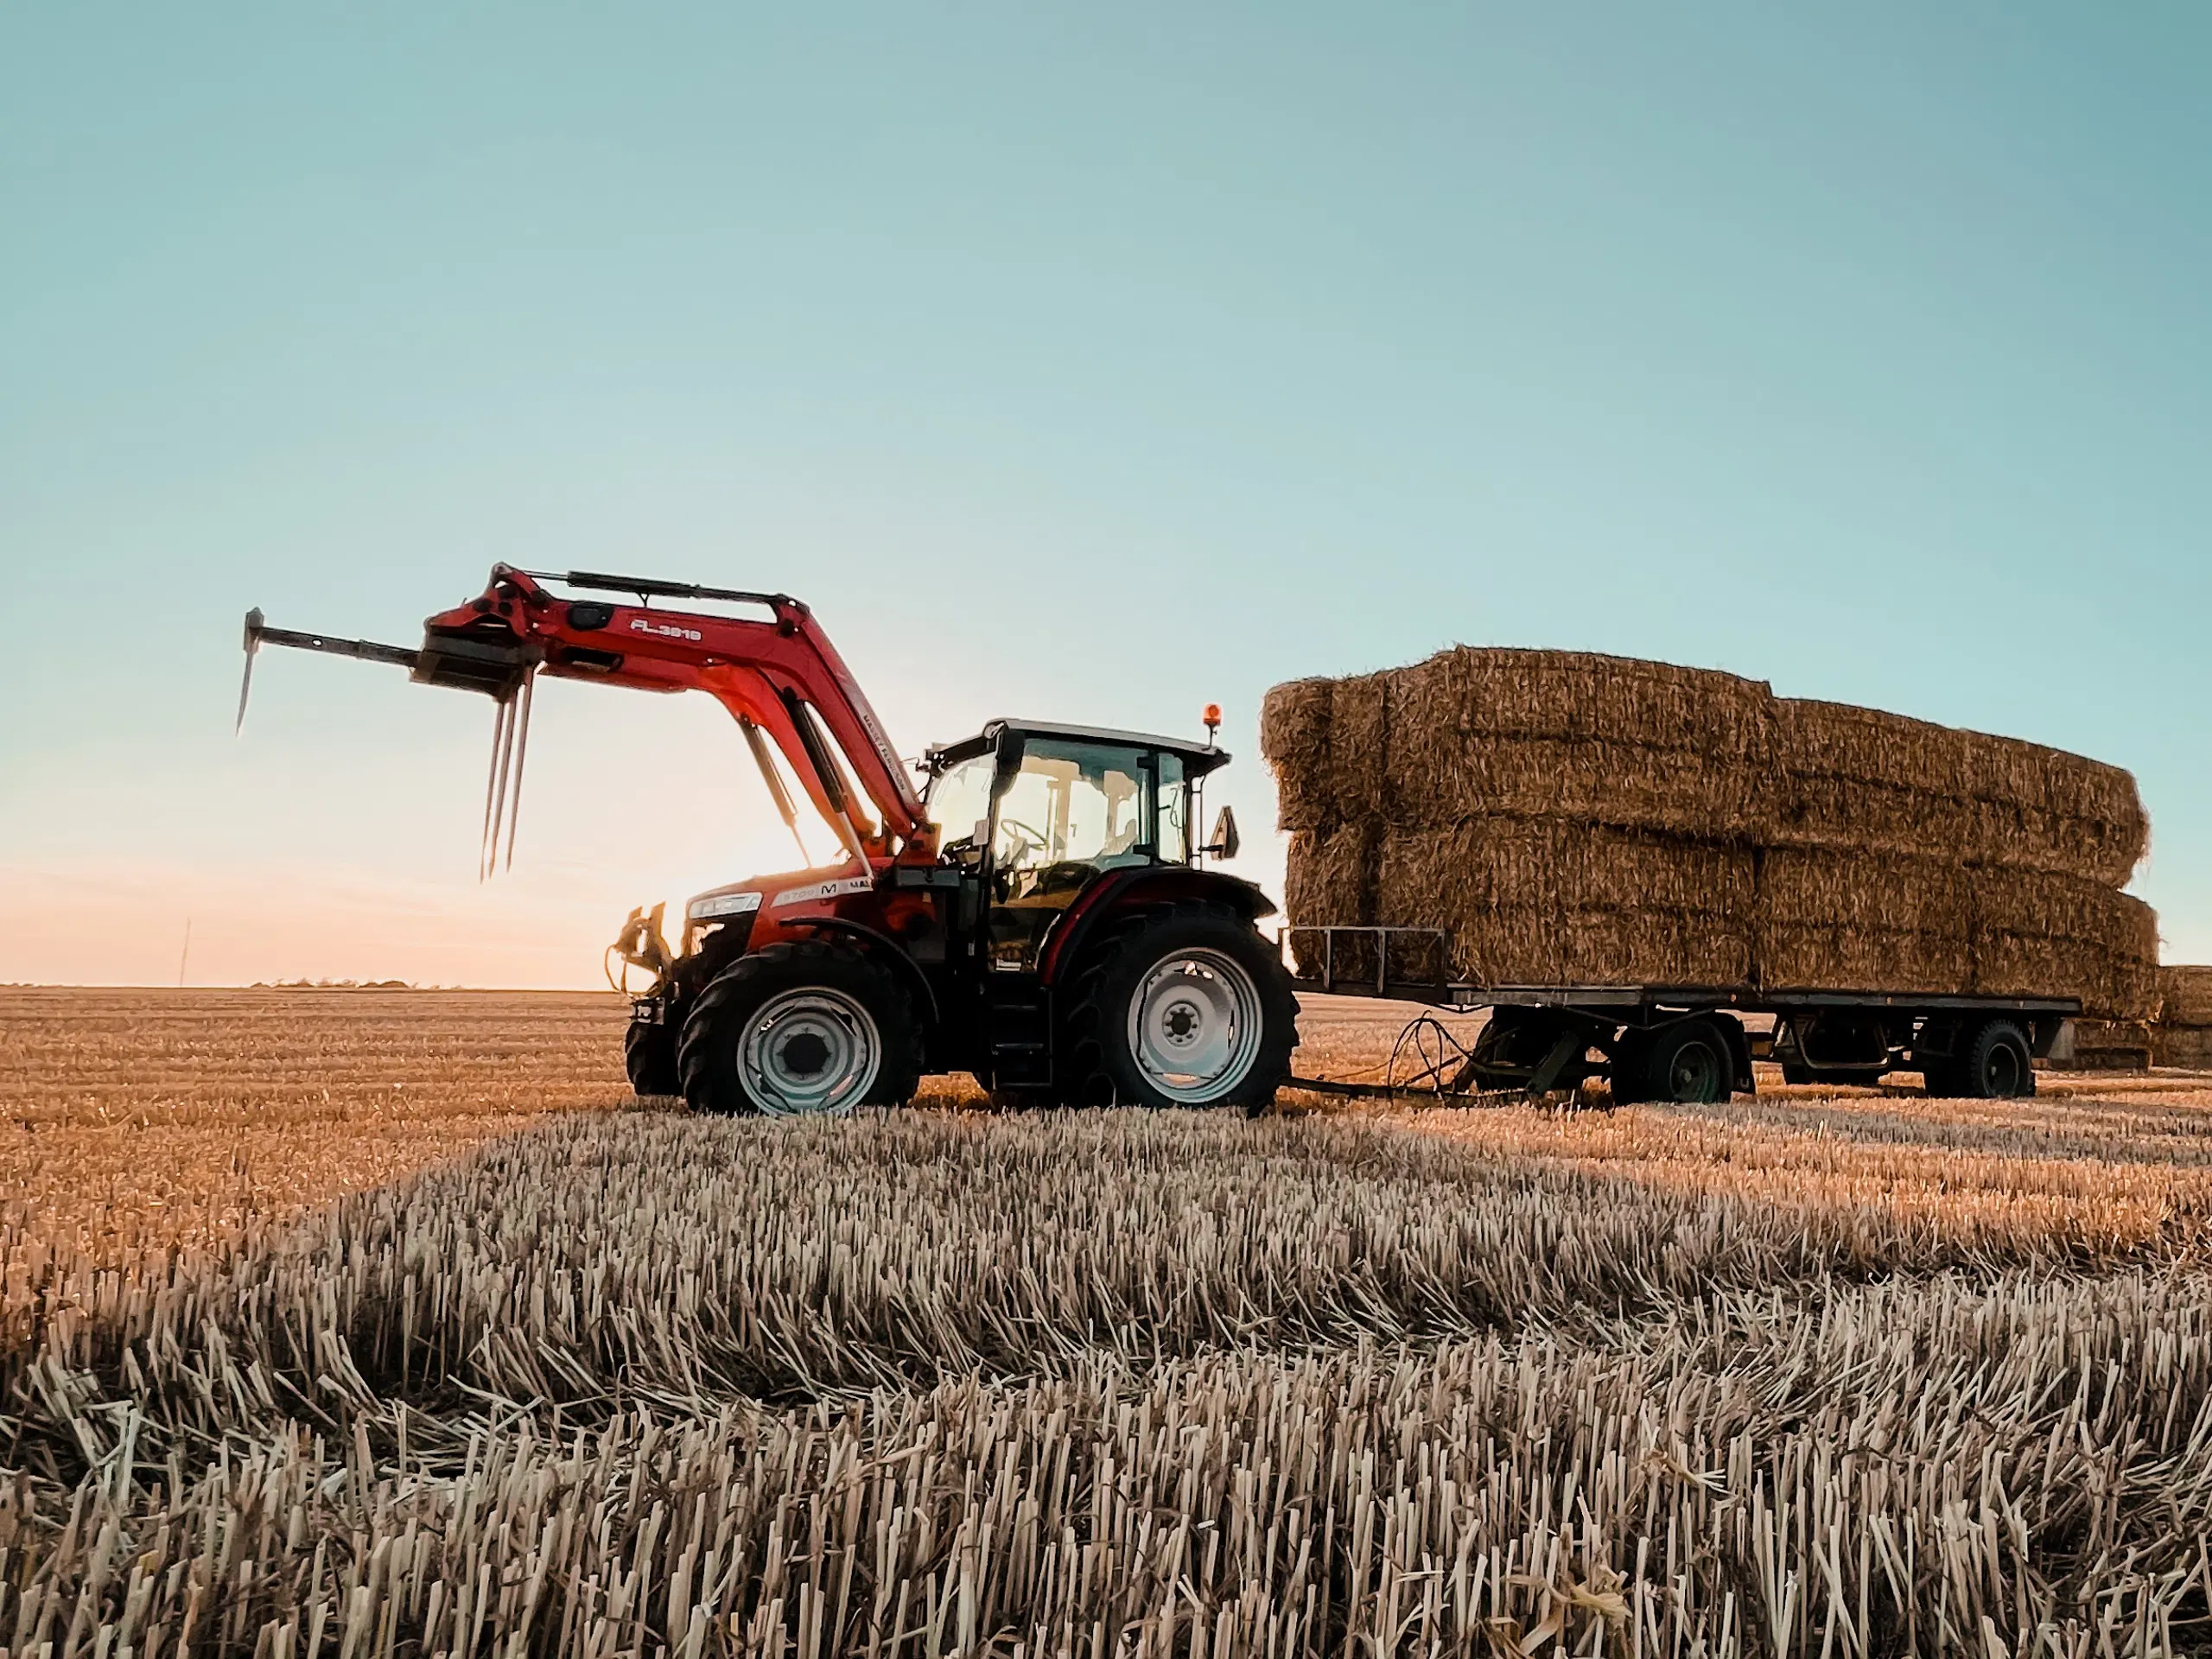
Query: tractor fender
1118, 890
877, 944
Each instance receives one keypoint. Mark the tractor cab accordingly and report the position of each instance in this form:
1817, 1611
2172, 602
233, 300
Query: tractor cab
1033, 814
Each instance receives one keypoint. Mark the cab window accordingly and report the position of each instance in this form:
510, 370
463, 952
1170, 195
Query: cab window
960, 798
1072, 804
1174, 809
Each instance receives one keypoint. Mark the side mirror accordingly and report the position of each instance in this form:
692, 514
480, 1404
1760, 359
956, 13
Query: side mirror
1225, 841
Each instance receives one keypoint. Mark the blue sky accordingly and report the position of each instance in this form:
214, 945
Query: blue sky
1074, 364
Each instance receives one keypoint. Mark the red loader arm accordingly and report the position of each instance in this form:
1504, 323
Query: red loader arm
777, 673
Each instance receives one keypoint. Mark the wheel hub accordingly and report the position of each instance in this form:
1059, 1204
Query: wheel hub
804, 1055
809, 1051
1194, 1025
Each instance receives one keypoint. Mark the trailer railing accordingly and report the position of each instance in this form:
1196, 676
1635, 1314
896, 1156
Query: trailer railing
1439, 942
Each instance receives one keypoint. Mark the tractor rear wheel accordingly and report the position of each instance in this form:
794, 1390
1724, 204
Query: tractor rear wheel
1185, 1006
809, 1029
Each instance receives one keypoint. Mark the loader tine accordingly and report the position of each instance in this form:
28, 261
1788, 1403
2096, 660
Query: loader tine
522, 754
253, 621
491, 789
505, 750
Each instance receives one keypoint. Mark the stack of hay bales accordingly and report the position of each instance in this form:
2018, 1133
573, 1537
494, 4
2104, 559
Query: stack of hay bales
2183, 1036
1570, 818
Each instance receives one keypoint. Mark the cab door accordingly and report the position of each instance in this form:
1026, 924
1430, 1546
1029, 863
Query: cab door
1066, 812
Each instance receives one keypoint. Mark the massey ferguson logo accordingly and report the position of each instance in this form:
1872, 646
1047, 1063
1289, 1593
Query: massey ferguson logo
638, 625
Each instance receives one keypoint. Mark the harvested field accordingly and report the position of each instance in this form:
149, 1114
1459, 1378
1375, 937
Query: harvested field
1855, 1374
152, 1119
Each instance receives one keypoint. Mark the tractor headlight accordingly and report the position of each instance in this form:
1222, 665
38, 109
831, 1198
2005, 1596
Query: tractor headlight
720, 906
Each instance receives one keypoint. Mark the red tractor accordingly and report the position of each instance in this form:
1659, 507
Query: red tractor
1037, 914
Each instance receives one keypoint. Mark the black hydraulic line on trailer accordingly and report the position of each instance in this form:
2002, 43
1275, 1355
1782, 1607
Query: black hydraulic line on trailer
1442, 1069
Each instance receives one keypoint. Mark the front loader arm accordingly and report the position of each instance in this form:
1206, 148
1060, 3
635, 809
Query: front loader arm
778, 673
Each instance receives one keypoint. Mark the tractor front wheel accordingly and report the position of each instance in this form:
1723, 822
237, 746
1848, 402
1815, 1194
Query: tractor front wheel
1182, 1007
799, 1030
649, 1056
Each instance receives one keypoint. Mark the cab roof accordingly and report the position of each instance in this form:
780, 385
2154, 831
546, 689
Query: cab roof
1198, 759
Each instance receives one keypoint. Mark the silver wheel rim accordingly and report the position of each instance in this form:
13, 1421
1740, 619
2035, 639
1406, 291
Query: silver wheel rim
1194, 1026
808, 1053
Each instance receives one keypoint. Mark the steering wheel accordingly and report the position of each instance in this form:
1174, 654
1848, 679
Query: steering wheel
1035, 838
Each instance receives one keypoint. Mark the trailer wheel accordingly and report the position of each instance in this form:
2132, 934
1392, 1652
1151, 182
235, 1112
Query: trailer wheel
649, 1058
1690, 1064
1997, 1064
1181, 1007
799, 1030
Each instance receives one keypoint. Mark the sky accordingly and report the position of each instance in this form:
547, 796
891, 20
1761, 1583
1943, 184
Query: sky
1092, 364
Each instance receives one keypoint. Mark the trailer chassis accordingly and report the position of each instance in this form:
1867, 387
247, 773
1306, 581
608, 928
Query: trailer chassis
1685, 1043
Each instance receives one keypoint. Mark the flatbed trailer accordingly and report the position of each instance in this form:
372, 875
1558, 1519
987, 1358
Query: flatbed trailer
1688, 1043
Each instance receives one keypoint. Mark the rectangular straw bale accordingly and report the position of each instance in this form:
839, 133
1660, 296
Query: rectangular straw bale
2106, 1045
2187, 1046
1606, 739
1330, 882
1359, 736
1832, 921
2090, 808
1853, 779
1562, 863
1545, 900
2040, 934
2185, 995
1526, 944
1294, 742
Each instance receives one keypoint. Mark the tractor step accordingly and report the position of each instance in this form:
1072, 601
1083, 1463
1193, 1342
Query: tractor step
1019, 1035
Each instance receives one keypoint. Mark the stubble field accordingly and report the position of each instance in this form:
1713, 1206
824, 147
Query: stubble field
366, 1323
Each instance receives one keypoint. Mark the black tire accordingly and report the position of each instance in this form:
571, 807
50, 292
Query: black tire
1102, 1067
1795, 1074
1997, 1064
1940, 1078
1690, 1063
649, 1056
1630, 1071
848, 987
